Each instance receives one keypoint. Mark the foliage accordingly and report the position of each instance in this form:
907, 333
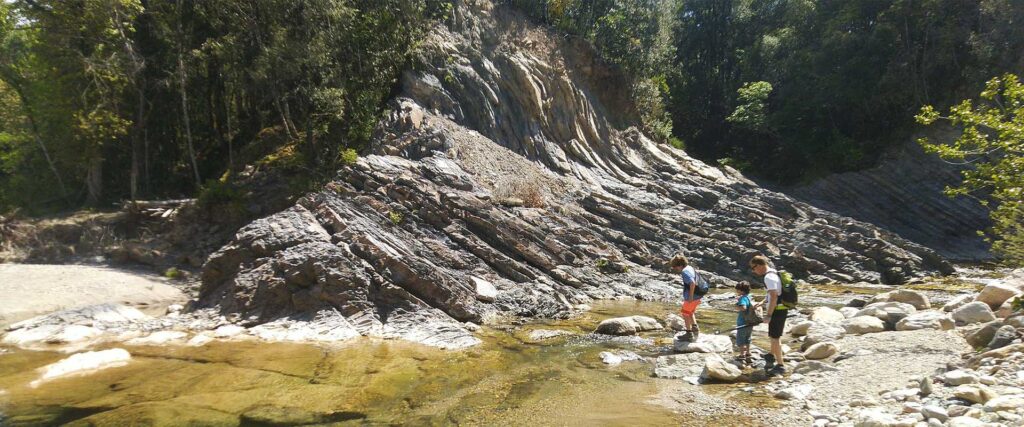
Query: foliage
752, 111
992, 142
174, 274
349, 156
396, 217
167, 92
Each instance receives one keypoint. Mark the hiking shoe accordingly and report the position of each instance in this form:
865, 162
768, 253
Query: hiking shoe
777, 370
769, 362
686, 336
696, 332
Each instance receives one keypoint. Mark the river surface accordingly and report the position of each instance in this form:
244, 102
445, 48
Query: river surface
507, 380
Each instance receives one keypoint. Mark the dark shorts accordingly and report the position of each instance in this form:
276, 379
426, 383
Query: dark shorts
777, 323
743, 336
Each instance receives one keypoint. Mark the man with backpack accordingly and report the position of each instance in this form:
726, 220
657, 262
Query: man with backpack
694, 288
780, 298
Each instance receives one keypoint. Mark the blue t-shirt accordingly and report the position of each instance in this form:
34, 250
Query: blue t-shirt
689, 276
743, 301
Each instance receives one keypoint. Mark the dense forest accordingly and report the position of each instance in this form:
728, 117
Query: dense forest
106, 100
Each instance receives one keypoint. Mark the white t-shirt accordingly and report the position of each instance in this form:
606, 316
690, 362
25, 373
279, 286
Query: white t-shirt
772, 282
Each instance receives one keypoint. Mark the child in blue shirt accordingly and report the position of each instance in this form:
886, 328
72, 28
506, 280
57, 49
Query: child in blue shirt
743, 330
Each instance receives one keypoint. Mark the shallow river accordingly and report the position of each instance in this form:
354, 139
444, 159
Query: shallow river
506, 380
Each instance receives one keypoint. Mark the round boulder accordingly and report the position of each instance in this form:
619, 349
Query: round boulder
716, 368
823, 332
926, 320
822, 350
1003, 337
975, 312
914, 298
627, 325
800, 329
849, 312
889, 312
863, 325
957, 302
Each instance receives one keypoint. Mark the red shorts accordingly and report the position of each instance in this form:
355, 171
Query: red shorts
689, 307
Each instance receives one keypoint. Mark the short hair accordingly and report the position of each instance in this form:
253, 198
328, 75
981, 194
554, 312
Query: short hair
744, 287
679, 261
759, 260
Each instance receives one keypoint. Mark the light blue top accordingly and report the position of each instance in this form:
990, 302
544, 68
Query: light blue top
743, 301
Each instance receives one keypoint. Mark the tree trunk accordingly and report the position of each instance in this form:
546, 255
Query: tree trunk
94, 180
184, 99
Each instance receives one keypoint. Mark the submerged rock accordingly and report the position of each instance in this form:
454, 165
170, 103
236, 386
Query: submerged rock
83, 363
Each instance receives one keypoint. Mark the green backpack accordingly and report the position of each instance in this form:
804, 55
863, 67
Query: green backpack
788, 296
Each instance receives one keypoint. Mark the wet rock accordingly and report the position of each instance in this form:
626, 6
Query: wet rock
627, 325
863, 325
1003, 337
679, 365
546, 334
926, 320
268, 415
822, 350
914, 298
159, 338
826, 315
706, 343
974, 312
995, 294
957, 302
716, 368
616, 358
83, 363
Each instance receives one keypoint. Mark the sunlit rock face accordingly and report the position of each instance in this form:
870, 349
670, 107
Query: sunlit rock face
511, 159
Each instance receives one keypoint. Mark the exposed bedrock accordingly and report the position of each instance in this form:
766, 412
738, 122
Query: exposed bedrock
509, 161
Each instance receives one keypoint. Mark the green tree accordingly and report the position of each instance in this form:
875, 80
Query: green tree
992, 143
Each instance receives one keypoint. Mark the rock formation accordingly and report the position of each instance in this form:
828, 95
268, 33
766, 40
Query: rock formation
509, 161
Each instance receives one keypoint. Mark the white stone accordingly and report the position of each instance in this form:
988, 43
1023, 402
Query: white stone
485, 290
849, 312
926, 320
974, 393
175, 308
822, 332
936, 412
800, 329
546, 334
826, 315
874, 417
158, 338
1005, 403
679, 365
887, 311
797, 392
675, 322
199, 340
228, 331
959, 377
627, 325
706, 343
863, 325
822, 350
964, 422
83, 363
975, 312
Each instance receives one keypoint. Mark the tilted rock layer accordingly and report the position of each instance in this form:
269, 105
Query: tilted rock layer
508, 160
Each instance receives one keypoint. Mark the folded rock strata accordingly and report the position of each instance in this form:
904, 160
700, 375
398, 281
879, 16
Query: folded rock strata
509, 158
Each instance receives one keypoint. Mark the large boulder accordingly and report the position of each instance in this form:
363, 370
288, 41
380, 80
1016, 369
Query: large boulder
974, 393
888, 312
822, 350
627, 325
826, 315
926, 320
716, 368
679, 365
960, 377
706, 343
914, 298
975, 312
849, 312
995, 294
1003, 337
863, 325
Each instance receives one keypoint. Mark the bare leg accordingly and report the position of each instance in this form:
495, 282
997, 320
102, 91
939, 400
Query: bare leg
777, 350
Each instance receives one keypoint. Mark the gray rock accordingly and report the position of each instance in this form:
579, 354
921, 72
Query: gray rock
975, 312
863, 325
485, 290
1003, 337
983, 335
822, 350
716, 368
627, 325
823, 333
800, 329
679, 365
935, 412
809, 366
706, 343
888, 312
826, 315
957, 302
959, 377
995, 294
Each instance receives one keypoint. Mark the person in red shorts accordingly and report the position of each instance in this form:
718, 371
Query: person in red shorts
691, 300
